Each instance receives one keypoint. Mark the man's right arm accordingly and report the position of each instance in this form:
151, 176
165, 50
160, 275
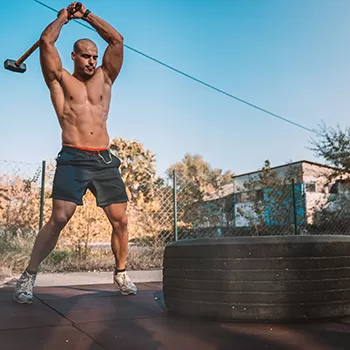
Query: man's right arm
51, 64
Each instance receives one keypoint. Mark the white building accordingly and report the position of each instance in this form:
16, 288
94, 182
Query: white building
311, 192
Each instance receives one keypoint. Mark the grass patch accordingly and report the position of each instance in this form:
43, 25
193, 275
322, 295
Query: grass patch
5, 273
14, 258
145, 258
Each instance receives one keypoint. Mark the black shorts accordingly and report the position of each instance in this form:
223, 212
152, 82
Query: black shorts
78, 170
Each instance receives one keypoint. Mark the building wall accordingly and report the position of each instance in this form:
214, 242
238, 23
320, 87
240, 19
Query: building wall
316, 189
243, 208
312, 195
245, 215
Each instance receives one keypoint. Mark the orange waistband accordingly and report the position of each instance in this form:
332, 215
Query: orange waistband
88, 148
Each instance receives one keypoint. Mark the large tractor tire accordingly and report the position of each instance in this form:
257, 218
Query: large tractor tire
277, 278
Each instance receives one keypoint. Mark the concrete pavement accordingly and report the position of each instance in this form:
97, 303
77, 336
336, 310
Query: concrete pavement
89, 278
96, 317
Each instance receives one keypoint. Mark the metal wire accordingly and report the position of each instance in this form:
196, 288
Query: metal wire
199, 80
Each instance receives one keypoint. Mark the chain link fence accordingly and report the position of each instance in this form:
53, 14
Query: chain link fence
275, 210
164, 211
20, 191
293, 209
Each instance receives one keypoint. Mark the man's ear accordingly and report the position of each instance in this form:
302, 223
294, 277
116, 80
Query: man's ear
73, 55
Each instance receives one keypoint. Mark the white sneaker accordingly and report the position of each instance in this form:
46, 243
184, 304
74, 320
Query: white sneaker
122, 282
24, 288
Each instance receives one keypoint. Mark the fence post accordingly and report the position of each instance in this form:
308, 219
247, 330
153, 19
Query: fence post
174, 205
294, 208
42, 194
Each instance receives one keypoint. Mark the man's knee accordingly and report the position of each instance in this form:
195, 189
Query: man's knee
62, 211
120, 224
59, 221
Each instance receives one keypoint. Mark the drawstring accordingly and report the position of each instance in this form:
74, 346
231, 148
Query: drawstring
110, 157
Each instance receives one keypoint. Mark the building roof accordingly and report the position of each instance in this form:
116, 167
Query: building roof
285, 165
221, 193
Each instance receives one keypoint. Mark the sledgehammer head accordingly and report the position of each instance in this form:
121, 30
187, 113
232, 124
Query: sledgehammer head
11, 65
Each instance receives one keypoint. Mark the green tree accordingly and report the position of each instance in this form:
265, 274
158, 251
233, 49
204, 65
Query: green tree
150, 206
137, 168
3, 196
333, 145
196, 180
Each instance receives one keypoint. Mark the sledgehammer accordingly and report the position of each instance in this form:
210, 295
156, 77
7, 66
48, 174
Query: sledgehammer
19, 66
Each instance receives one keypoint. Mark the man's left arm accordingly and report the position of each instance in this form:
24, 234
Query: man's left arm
113, 57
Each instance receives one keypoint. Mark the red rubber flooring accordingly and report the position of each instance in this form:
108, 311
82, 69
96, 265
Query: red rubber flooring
97, 317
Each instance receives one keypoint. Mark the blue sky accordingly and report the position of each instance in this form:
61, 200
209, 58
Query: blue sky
290, 57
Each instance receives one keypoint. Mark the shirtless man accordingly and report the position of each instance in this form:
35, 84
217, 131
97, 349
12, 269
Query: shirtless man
81, 102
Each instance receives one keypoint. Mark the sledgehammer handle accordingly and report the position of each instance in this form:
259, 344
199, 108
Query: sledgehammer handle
36, 45
27, 53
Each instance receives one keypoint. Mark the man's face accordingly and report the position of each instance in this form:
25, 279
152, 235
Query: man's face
85, 58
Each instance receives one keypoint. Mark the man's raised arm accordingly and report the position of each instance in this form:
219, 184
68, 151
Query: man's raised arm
113, 56
51, 64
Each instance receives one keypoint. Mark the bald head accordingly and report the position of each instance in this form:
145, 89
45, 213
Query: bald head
82, 43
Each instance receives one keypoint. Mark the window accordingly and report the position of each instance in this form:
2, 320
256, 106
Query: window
250, 196
259, 195
242, 197
310, 187
334, 188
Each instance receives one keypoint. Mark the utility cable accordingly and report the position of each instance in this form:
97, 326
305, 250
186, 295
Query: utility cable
197, 80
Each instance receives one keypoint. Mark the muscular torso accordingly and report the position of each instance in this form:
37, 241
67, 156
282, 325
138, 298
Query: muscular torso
82, 109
